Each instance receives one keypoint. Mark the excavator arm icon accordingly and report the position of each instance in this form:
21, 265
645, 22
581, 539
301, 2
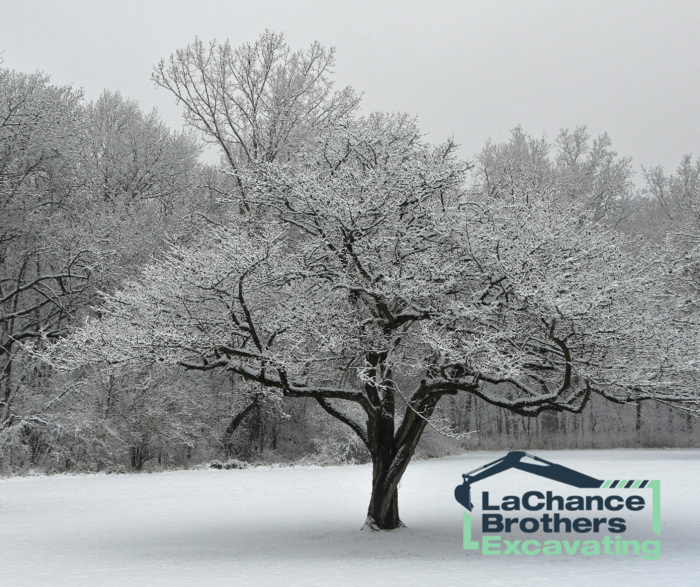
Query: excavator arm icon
513, 460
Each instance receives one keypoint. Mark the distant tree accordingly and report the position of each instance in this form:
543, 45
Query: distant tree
585, 173
676, 199
134, 156
138, 184
88, 195
670, 214
594, 174
371, 281
44, 272
257, 102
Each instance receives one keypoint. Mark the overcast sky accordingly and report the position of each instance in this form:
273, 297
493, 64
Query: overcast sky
474, 69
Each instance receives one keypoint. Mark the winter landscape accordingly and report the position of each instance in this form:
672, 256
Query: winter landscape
301, 526
279, 331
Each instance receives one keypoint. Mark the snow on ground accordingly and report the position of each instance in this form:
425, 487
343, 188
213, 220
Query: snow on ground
301, 526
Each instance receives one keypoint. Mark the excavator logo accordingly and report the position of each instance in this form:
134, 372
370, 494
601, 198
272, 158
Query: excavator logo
513, 460
496, 523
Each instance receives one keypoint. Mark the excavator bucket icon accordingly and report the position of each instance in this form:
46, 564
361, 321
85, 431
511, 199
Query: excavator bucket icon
513, 460
463, 495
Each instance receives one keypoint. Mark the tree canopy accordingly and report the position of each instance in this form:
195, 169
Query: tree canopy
368, 275
333, 257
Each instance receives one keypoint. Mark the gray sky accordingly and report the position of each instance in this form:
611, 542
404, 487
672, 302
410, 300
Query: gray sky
474, 69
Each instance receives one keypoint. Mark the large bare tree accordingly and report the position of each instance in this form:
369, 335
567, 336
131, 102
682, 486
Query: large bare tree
370, 280
260, 101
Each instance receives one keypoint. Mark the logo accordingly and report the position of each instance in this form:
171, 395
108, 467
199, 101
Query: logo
551, 524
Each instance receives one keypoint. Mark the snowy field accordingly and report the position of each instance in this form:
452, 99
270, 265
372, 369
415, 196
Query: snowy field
301, 526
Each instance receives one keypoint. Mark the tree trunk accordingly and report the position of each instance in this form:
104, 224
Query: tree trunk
388, 466
638, 423
391, 452
390, 457
227, 438
139, 455
383, 511
6, 386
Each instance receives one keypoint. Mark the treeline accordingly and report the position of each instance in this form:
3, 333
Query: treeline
647, 425
91, 192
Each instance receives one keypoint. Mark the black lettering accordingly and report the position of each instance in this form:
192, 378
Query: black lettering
610, 506
558, 521
526, 501
591, 498
545, 523
552, 498
574, 503
510, 503
534, 523
635, 503
510, 522
492, 523
485, 502
597, 522
582, 525
617, 525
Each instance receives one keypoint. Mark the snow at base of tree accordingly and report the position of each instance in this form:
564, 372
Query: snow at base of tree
301, 526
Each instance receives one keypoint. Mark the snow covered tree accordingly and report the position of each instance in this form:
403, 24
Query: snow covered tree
594, 174
137, 184
260, 101
370, 280
257, 102
88, 194
582, 172
676, 199
131, 155
44, 272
